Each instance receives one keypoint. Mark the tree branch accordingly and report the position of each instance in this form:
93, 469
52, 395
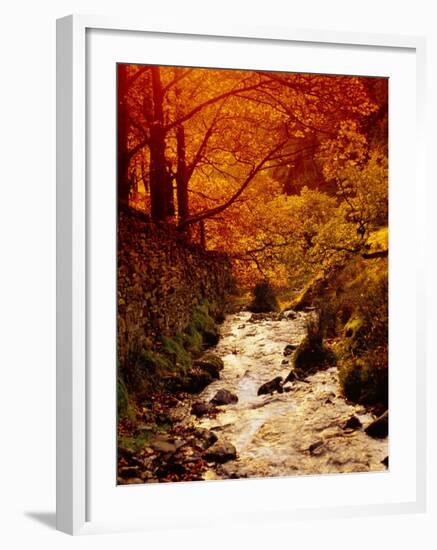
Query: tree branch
211, 101
218, 209
176, 79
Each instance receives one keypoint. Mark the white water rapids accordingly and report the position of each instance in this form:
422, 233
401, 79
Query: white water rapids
297, 432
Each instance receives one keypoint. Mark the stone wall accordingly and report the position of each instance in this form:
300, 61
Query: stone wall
161, 278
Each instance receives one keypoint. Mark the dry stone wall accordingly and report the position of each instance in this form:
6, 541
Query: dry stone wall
161, 278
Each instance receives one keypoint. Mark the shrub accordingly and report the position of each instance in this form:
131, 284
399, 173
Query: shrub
264, 299
365, 379
363, 368
312, 354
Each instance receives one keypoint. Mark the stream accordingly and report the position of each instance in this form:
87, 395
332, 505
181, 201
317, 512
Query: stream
298, 432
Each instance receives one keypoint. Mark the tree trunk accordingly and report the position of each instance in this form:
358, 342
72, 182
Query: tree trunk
123, 183
202, 234
159, 192
181, 176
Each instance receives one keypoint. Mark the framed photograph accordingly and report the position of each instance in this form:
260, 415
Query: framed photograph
239, 324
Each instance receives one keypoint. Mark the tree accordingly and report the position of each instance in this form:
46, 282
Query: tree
272, 168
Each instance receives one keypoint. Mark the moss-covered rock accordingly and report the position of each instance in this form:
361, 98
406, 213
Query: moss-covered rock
196, 380
353, 332
203, 323
364, 380
173, 348
312, 355
210, 363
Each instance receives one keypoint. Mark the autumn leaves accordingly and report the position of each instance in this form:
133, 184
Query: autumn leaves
226, 156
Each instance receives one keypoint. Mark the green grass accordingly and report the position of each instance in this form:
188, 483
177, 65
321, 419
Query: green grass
125, 407
176, 353
136, 443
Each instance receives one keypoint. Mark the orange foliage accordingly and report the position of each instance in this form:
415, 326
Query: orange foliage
267, 167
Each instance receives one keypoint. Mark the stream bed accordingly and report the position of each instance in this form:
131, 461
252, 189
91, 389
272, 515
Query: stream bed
298, 432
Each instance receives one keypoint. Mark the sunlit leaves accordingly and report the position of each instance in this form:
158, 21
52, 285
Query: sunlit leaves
317, 168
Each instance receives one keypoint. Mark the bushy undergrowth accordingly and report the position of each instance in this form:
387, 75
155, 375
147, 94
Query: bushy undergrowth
364, 352
354, 309
264, 299
312, 353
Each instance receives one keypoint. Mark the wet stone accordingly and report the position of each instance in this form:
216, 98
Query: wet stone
204, 438
379, 427
352, 423
220, 452
200, 409
289, 348
224, 397
272, 386
316, 447
163, 446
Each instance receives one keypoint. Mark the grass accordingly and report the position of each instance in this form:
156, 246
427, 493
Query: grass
174, 350
136, 443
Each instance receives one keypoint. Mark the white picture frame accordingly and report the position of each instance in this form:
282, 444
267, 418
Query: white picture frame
73, 298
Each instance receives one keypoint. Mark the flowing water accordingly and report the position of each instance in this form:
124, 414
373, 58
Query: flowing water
297, 432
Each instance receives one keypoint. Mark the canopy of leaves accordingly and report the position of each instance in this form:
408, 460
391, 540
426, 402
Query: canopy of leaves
287, 173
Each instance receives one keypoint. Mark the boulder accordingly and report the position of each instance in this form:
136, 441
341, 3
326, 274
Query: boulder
272, 386
293, 376
379, 427
312, 355
352, 423
204, 438
211, 336
163, 418
197, 380
220, 452
162, 445
316, 447
200, 409
289, 348
224, 397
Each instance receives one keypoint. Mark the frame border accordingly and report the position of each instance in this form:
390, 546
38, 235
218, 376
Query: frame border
71, 246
